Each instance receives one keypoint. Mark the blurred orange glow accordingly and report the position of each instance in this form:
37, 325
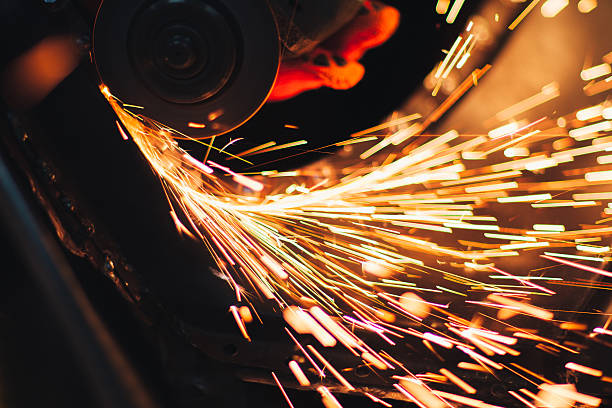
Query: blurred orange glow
32, 76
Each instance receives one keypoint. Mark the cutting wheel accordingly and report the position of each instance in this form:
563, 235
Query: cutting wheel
201, 67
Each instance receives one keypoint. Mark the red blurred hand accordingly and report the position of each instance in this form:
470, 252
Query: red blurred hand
334, 64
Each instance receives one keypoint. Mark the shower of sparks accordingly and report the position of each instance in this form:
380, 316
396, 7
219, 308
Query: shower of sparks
363, 250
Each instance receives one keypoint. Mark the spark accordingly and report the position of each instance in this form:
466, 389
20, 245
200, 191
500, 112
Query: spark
385, 125
591, 129
199, 165
573, 326
334, 328
583, 369
510, 237
124, 136
522, 280
298, 373
442, 6
586, 6
523, 307
245, 314
595, 72
551, 8
441, 341
254, 149
331, 368
282, 390
504, 130
458, 381
516, 152
525, 198
274, 148
571, 395
549, 227
480, 358
601, 330
421, 393
328, 398
458, 55
470, 81
210, 146
523, 400
376, 399
593, 249
593, 196
607, 159
454, 11
312, 362
523, 14
594, 88
239, 178
589, 113
465, 400
471, 366
571, 256
446, 59
578, 265
239, 322
303, 323
539, 377
534, 397
523, 277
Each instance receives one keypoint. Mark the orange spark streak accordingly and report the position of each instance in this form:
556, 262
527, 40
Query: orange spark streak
584, 369
314, 364
457, 93
521, 16
298, 373
579, 266
331, 368
282, 390
458, 381
523, 400
239, 322
523, 307
465, 400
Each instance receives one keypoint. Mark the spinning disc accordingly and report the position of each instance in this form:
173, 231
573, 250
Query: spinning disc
202, 67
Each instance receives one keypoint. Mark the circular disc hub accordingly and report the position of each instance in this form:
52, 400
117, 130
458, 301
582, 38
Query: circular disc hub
208, 63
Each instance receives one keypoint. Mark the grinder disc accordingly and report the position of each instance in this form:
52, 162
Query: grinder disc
201, 67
